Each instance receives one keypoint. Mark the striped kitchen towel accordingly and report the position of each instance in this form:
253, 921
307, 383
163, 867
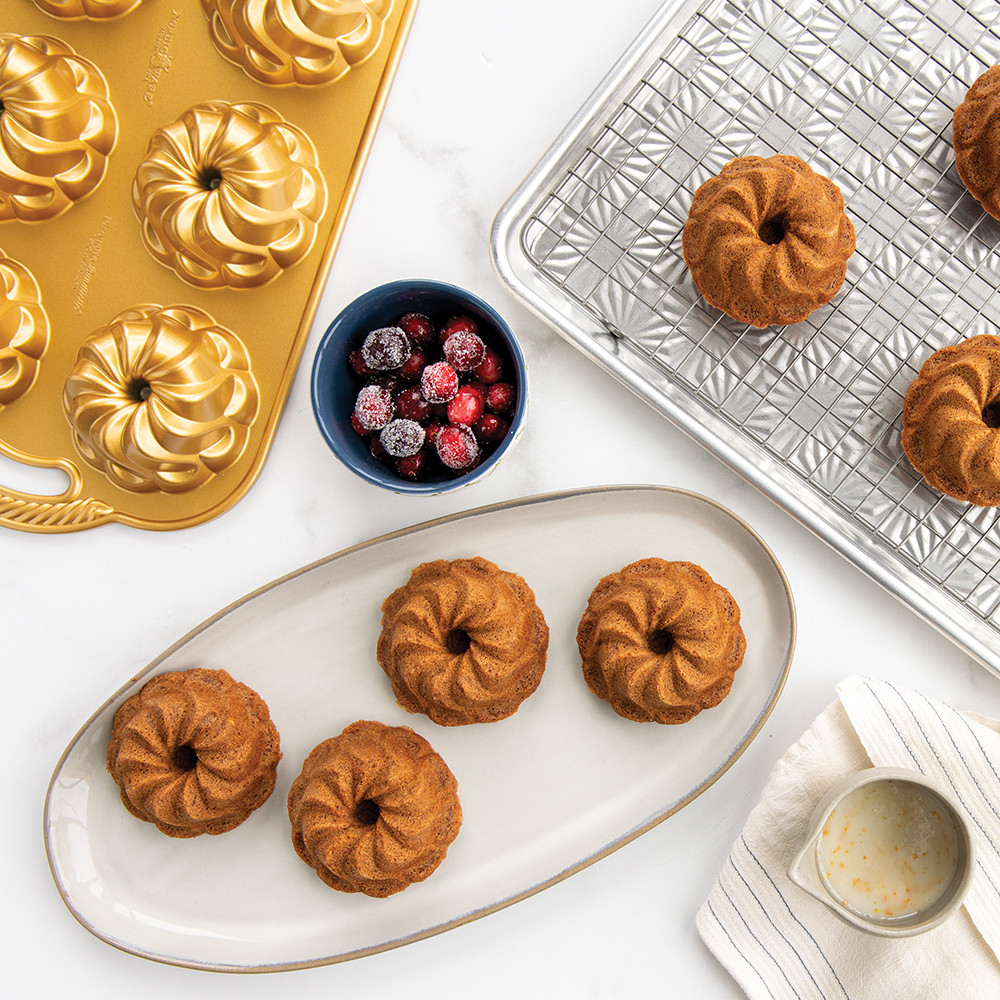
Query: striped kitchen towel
781, 944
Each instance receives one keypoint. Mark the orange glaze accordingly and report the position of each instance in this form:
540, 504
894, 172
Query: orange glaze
889, 850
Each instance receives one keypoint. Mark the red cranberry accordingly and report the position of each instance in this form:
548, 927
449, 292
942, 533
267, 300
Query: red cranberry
467, 406
439, 382
464, 350
464, 323
490, 369
413, 367
377, 449
417, 327
385, 348
356, 362
412, 467
490, 428
431, 431
402, 437
373, 407
457, 447
410, 403
357, 427
500, 397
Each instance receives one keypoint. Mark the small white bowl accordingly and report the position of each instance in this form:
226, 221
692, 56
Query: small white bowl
914, 813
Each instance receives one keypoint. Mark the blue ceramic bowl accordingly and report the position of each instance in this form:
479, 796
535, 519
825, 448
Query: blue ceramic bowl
334, 386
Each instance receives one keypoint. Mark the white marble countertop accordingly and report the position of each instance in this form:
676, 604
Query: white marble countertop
481, 91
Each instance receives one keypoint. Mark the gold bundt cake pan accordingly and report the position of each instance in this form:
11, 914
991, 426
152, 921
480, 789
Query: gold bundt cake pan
91, 265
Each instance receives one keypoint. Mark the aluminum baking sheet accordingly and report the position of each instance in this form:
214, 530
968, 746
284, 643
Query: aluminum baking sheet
809, 413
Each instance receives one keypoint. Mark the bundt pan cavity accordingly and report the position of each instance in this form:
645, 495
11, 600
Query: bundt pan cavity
229, 195
90, 10
161, 398
24, 330
305, 43
57, 127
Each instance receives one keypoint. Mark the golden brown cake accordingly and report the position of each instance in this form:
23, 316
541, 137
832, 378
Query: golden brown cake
57, 127
229, 195
306, 43
161, 398
194, 752
462, 641
767, 240
951, 416
660, 641
976, 138
374, 810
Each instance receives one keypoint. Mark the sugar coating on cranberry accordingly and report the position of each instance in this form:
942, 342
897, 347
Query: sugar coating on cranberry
373, 407
466, 407
439, 382
457, 446
464, 350
385, 348
402, 437
500, 397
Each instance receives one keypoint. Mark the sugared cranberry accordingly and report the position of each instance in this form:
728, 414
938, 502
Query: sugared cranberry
410, 403
385, 348
439, 382
373, 407
417, 327
467, 406
413, 367
413, 467
490, 428
464, 350
500, 397
457, 447
356, 362
490, 369
465, 324
402, 437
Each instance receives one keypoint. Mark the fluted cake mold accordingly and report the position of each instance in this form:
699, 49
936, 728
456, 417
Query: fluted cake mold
374, 810
57, 127
660, 641
89, 10
255, 260
462, 641
24, 330
194, 752
229, 195
161, 398
305, 43
951, 421
767, 240
976, 140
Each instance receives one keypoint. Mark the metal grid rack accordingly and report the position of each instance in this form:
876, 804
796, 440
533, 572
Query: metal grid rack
864, 92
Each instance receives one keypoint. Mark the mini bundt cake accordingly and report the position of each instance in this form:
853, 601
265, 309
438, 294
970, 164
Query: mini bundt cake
161, 398
306, 43
57, 127
951, 421
229, 195
194, 752
92, 10
660, 641
374, 810
24, 330
976, 138
462, 641
767, 240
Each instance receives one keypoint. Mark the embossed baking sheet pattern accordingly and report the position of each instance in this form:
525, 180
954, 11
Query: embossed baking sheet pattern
809, 413
555, 787
90, 262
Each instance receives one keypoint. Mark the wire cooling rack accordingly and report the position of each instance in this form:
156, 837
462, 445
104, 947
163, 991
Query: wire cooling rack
810, 413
